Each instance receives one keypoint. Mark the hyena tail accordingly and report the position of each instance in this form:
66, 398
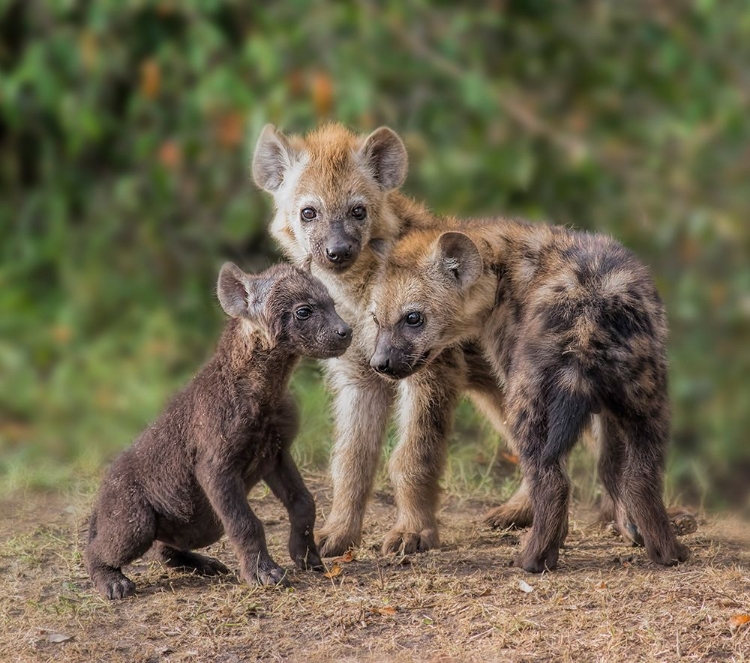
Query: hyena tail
568, 413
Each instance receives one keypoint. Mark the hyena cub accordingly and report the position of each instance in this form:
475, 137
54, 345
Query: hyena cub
339, 209
185, 480
576, 333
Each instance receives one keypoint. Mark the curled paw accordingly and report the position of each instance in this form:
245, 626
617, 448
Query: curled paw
200, 564
506, 517
683, 523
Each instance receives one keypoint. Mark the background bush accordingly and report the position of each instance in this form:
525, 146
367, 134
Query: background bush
125, 135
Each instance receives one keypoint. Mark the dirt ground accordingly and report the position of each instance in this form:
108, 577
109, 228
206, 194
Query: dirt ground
606, 602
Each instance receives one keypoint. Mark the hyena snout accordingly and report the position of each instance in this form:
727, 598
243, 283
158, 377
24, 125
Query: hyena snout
343, 334
339, 253
339, 338
391, 362
381, 363
340, 249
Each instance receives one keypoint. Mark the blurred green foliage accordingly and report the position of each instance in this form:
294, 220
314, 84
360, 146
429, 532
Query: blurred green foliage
125, 134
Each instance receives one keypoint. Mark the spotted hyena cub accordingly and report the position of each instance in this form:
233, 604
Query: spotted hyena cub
576, 333
185, 480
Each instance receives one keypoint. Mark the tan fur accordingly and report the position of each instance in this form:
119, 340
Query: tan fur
332, 170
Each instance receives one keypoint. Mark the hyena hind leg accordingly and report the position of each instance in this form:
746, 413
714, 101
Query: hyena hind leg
641, 490
612, 456
114, 542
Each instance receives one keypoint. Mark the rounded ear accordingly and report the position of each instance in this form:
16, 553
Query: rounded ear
241, 295
273, 156
384, 153
458, 259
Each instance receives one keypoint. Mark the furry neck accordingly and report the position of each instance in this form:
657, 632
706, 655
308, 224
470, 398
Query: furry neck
246, 352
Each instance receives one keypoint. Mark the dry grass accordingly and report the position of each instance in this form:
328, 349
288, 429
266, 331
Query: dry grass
463, 602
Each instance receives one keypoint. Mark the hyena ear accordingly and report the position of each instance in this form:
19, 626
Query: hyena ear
273, 156
241, 295
458, 259
384, 153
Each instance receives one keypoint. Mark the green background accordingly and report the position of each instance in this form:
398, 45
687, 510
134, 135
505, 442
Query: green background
126, 130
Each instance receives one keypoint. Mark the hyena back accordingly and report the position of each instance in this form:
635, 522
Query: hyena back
575, 331
338, 207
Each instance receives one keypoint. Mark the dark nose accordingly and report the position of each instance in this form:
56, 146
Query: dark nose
381, 364
344, 331
339, 252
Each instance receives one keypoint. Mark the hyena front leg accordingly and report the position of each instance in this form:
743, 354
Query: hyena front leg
427, 401
362, 402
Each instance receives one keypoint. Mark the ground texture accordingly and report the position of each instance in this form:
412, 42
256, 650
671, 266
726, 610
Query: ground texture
606, 602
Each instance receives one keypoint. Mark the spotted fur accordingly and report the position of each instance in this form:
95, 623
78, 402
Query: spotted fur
576, 334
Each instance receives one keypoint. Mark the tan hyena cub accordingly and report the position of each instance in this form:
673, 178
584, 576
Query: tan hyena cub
339, 208
574, 328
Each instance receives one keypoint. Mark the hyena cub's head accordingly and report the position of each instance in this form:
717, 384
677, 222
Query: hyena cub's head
428, 296
288, 306
330, 189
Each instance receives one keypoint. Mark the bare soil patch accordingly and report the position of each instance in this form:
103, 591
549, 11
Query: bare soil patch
606, 602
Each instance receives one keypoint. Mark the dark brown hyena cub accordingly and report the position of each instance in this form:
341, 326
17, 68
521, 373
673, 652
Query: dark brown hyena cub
185, 480
576, 333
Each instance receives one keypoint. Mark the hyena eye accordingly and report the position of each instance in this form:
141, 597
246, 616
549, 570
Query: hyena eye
308, 213
359, 212
413, 319
303, 313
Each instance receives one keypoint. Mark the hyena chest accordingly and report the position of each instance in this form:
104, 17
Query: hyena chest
259, 453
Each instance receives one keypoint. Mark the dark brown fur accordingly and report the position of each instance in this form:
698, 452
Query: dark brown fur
576, 332
184, 482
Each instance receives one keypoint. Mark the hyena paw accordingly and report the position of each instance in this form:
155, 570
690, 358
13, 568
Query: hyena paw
670, 554
306, 557
683, 523
404, 542
335, 541
267, 573
116, 587
506, 517
535, 562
